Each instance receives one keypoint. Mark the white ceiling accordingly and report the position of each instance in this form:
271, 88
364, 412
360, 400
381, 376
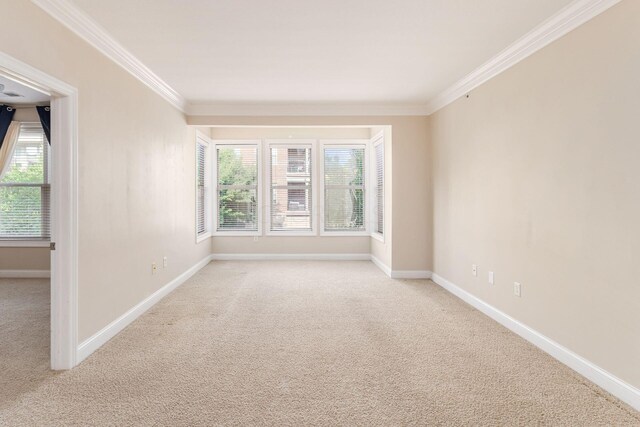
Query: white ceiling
29, 96
328, 51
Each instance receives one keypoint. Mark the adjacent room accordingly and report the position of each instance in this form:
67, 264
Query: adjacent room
319, 213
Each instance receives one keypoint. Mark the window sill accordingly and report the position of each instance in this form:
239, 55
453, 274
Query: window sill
379, 237
292, 233
24, 243
231, 233
345, 234
202, 238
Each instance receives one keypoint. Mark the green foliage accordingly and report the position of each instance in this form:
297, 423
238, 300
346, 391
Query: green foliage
21, 207
236, 207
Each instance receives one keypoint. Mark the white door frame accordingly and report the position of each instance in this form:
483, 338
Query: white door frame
64, 207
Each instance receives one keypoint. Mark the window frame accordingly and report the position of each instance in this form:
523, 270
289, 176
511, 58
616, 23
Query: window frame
202, 139
33, 241
348, 144
291, 144
378, 140
259, 178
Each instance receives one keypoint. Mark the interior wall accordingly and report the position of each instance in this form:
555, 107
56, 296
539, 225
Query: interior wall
25, 259
408, 178
536, 178
136, 170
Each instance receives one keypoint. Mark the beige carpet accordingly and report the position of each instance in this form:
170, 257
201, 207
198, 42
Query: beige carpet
298, 343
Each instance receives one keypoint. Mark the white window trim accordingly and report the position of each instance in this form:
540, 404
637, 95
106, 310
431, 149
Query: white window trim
214, 167
35, 241
291, 143
343, 143
24, 243
378, 139
202, 139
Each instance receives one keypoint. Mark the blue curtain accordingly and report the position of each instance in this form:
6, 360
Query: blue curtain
45, 119
6, 115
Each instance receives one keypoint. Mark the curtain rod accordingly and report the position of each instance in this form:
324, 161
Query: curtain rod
25, 107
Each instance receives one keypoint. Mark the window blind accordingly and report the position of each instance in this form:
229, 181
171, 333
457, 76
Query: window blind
237, 186
379, 189
291, 199
201, 188
25, 194
344, 189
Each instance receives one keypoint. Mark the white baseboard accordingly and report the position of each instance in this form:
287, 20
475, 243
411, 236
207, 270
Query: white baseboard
400, 274
275, 257
410, 274
101, 337
622, 390
25, 274
381, 265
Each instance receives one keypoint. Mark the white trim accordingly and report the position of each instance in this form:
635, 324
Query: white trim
25, 274
105, 334
310, 144
204, 140
306, 109
64, 206
291, 257
410, 274
347, 144
378, 236
24, 243
231, 143
569, 18
382, 266
88, 30
624, 391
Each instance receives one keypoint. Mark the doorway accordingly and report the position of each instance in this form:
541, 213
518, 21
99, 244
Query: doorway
59, 198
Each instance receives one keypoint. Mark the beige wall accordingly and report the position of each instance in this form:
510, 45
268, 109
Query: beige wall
24, 259
136, 170
409, 153
536, 178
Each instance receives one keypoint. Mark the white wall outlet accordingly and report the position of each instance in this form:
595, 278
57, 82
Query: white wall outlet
491, 277
255, 238
154, 268
517, 289
165, 262
474, 270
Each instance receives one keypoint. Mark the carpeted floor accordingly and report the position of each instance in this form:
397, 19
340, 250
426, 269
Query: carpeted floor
294, 343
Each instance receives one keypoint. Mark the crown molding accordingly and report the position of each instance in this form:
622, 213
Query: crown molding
566, 20
87, 29
306, 109
572, 16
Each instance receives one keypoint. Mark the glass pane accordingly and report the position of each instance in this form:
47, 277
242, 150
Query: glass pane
237, 165
290, 172
237, 210
28, 162
291, 208
24, 212
344, 166
344, 209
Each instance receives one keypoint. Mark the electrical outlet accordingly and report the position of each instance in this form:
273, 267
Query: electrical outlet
474, 270
491, 278
255, 238
154, 268
164, 262
517, 289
